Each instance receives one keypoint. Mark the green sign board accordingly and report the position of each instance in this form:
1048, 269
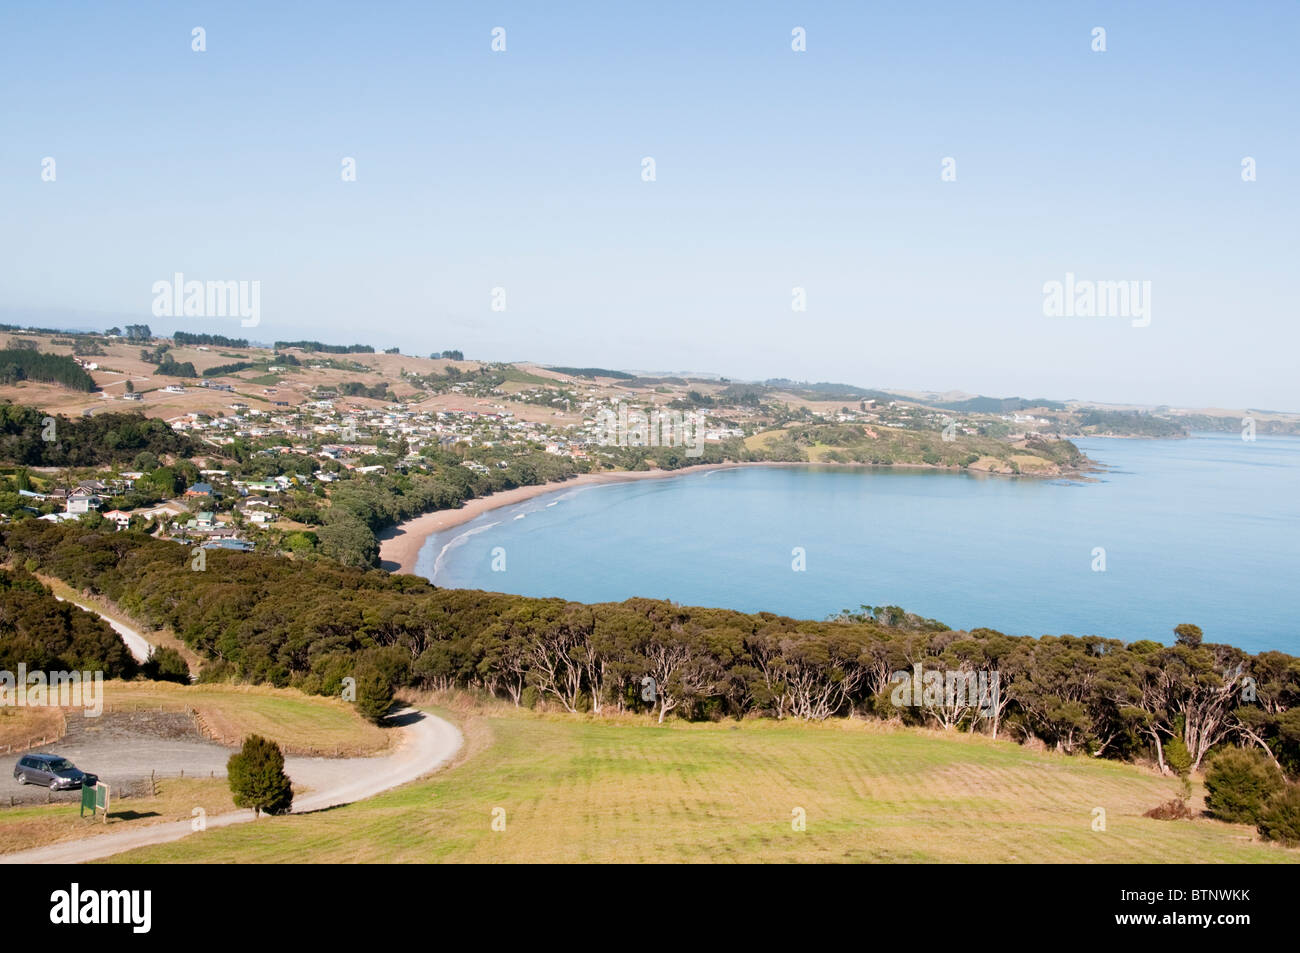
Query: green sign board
95, 799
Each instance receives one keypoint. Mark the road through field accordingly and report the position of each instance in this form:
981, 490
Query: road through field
427, 743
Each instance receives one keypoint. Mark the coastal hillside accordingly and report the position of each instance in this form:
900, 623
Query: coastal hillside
171, 373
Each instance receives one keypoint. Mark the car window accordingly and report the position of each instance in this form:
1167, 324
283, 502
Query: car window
60, 764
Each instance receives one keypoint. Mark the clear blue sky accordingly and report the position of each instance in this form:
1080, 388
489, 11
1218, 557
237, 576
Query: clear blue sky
775, 169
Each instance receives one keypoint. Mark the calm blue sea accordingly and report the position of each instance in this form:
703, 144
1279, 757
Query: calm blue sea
1204, 530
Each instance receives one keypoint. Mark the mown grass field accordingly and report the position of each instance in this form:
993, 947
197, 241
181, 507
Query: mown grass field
582, 791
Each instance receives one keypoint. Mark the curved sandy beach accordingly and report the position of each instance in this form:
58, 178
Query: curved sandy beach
400, 545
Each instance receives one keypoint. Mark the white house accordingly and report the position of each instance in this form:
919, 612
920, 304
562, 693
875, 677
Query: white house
82, 503
120, 517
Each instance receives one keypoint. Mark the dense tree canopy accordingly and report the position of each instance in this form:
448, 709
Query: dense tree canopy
25, 364
44, 634
31, 437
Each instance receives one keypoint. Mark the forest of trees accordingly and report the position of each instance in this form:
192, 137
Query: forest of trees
223, 369
24, 364
378, 391
580, 371
44, 634
1130, 423
170, 367
219, 340
33, 438
309, 624
326, 348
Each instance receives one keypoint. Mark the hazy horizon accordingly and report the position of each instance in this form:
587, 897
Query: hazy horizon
238, 333
776, 169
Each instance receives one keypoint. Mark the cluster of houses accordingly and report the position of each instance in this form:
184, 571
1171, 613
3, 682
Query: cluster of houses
322, 430
86, 496
192, 516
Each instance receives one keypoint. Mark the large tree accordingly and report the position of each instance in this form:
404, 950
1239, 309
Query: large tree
374, 693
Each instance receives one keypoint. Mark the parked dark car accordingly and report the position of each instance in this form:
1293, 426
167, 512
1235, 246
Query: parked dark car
57, 774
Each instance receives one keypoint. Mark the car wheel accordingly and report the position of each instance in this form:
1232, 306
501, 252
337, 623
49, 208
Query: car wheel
22, 779
54, 785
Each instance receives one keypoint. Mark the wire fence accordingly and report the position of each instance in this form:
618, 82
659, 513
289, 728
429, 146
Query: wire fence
33, 743
139, 787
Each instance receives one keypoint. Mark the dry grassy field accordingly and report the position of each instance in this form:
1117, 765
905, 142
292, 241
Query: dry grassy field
121, 362
299, 723
22, 828
19, 727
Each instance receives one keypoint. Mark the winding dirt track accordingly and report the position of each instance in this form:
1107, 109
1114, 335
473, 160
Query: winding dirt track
427, 743
137, 643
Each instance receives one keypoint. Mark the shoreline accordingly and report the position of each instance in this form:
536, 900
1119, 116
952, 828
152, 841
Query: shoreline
400, 545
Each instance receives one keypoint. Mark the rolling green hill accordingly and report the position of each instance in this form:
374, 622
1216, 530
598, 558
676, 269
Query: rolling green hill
576, 790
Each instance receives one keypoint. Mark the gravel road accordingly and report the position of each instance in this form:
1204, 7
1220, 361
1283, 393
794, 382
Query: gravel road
427, 743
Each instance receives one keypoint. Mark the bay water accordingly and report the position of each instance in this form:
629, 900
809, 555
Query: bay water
1203, 530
